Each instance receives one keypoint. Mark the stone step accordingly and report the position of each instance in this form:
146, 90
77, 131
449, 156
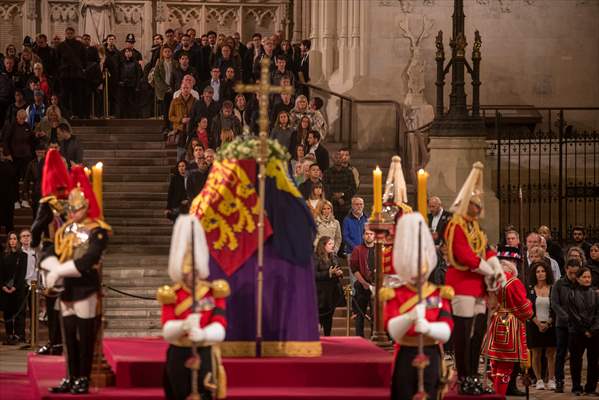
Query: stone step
90, 135
132, 214
163, 230
123, 302
110, 196
131, 333
124, 145
135, 204
139, 240
137, 313
139, 169
136, 187
148, 282
147, 154
118, 123
153, 249
137, 178
142, 221
134, 324
160, 161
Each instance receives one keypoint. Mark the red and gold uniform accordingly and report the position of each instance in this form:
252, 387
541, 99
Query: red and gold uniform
177, 303
505, 341
466, 246
400, 301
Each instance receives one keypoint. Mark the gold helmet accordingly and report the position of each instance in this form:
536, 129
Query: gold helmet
77, 200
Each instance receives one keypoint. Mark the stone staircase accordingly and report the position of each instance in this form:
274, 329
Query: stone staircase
136, 176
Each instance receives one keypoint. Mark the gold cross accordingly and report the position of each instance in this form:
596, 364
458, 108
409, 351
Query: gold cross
263, 89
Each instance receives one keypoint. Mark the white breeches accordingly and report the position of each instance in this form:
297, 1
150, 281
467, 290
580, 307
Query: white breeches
85, 308
467, 306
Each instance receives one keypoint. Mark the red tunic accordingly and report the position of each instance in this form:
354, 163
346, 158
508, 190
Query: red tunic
212, 309
388, 259
438, 306
463, 259
506, 335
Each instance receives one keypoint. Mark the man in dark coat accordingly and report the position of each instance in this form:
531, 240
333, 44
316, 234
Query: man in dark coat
71, 72
437, 219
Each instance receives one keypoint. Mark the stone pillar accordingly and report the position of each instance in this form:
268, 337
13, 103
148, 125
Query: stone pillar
451, 159
30, 20
297, 35
316, 57
343, 41
329, 28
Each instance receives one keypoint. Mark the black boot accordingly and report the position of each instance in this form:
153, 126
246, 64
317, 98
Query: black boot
81, 386
44, 350
63, 387
559, 387
56, 350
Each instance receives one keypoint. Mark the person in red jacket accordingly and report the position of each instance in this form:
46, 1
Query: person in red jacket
406, 318
473, 269
183, 326
505, 341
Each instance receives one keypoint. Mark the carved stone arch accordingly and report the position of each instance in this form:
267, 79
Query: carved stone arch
129, 13
221, 15
64, 12
259, 15
10, 10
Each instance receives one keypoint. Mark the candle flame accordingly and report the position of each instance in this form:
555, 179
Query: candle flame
99, 165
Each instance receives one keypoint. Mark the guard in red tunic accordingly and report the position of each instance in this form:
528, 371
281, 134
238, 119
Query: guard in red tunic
182, 325
406, 319
505, 341
473, 270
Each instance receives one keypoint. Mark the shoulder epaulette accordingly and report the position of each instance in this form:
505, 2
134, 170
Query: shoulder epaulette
166, 295
446, 292
220, 289
386, 293
99, 223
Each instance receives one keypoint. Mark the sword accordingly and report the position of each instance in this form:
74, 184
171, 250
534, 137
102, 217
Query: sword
421, 361
195, 364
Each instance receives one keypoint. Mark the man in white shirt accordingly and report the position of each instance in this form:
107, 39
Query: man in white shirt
25, 239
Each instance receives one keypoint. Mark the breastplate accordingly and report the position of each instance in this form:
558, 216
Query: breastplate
74, 241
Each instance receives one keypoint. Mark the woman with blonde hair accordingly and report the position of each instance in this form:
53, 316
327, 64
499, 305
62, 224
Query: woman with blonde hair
300, 110
327, 225
47, 127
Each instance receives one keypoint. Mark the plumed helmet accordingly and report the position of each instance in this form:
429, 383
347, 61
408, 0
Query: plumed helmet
180, 257
405, 248
471, 192
82, 194
55, 177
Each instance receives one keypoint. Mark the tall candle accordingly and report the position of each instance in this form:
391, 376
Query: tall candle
97, 185
422, 200
377, 190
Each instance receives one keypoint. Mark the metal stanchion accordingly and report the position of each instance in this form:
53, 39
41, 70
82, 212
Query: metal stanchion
106, 107
34, 315
155, 107
347, 292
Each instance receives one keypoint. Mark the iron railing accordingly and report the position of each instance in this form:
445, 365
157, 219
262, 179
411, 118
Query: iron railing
347, 136
547, 169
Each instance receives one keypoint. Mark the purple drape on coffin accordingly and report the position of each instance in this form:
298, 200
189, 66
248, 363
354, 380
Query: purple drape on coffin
290, 311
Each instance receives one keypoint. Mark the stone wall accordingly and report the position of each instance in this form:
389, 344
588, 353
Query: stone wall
535, 52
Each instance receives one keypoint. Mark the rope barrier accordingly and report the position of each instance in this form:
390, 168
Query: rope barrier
128, 294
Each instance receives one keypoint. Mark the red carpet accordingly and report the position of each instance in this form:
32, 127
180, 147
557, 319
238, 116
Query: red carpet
15, 386
350, 368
